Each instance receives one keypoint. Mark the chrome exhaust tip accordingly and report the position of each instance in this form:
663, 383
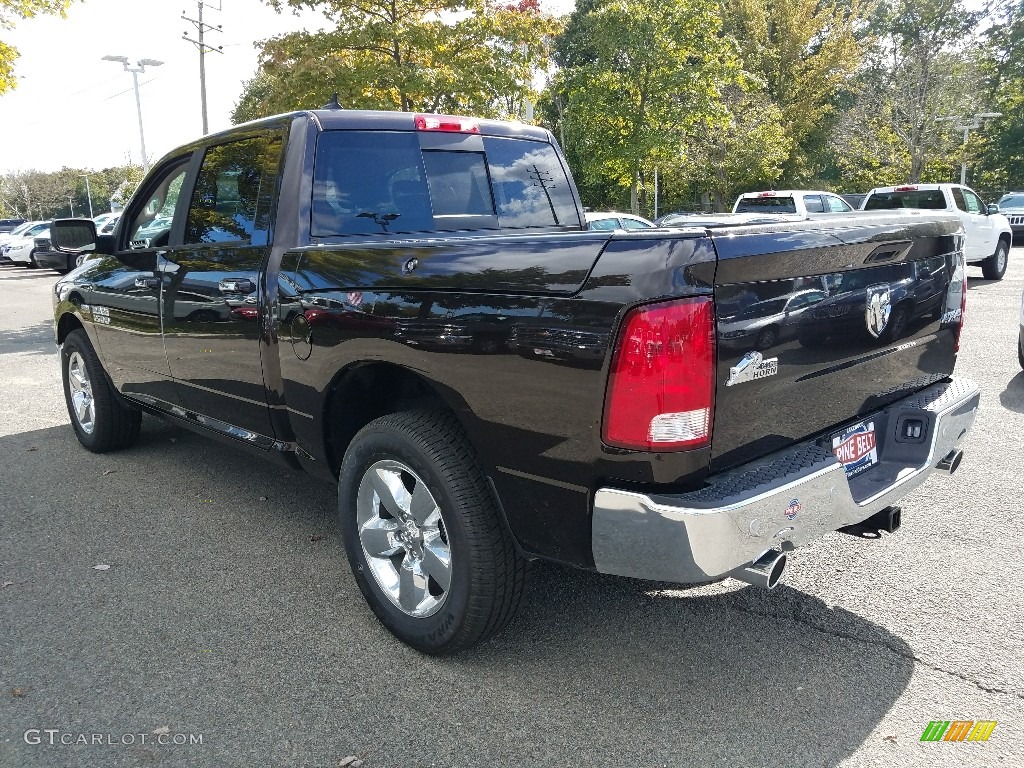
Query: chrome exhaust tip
950, 462
765, 572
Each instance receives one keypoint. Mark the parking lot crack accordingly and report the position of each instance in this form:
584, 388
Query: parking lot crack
903, 652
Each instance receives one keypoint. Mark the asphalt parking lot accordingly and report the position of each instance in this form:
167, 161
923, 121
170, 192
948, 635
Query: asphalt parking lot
227, 631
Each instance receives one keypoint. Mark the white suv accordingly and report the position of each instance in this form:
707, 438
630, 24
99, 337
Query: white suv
988, 233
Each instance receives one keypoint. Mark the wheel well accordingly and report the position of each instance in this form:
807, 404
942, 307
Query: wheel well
366, 392
1007, 238
66, 325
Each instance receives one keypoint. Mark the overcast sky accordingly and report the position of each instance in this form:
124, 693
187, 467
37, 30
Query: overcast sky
73, 109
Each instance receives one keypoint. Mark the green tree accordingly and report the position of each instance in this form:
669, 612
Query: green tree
473, 56
801, 55
923, 67
42, 195
996, 154
637, 76
10, 12
748, 151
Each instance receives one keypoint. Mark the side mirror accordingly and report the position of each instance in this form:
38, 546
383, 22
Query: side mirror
993, 209
78, 236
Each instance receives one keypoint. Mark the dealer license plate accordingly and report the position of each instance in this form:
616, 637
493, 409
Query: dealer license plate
855, 447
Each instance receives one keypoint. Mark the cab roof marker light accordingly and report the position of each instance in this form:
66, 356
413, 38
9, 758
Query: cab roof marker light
450, 123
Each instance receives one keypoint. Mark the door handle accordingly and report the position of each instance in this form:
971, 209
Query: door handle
236, 285
147, 282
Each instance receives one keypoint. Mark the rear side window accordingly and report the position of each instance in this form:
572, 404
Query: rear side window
234, 193
603, 224
768, 205
925, 199
369, 182
813, 204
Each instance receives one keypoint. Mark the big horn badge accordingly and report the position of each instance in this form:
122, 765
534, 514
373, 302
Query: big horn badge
879, 309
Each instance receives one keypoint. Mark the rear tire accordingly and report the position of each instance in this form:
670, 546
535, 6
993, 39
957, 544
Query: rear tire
423, 534
1020, 350
102, 420
994, 267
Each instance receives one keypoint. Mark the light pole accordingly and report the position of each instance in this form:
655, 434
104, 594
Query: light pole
88, 193
71, 202
136, 70
961, 124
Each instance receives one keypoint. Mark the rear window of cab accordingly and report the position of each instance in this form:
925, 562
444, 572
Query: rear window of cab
766, 205
384, 182
925, 199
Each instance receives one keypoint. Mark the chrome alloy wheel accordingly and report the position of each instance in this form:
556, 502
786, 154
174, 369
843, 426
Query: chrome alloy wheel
1001, 257
84, 406
403, 537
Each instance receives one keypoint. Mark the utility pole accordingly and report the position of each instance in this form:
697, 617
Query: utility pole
200, 43
88, 193
961, 124
71, 202
141, 67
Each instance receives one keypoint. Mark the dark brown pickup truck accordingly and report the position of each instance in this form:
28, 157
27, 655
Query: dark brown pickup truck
411, 305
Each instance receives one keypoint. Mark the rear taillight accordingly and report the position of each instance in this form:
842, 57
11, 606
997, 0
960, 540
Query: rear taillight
661, 387
963, 305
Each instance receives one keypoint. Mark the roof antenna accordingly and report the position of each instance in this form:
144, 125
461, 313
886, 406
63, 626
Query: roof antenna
333, 103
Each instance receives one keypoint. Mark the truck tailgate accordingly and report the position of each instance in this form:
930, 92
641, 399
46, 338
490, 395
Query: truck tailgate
822, 325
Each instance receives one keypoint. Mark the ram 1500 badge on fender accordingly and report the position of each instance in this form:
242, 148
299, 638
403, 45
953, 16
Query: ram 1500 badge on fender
411, 306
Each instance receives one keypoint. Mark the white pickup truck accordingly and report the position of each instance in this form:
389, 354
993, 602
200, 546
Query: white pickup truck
791, 204
988, 233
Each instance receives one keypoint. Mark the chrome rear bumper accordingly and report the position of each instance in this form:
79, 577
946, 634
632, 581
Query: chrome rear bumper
779, 502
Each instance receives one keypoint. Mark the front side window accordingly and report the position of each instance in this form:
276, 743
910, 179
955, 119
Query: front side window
974, 204
837, 204
151, 227
234, 193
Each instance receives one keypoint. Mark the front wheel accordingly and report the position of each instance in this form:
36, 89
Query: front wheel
423, 534
32, 263
102, 421
994, 267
